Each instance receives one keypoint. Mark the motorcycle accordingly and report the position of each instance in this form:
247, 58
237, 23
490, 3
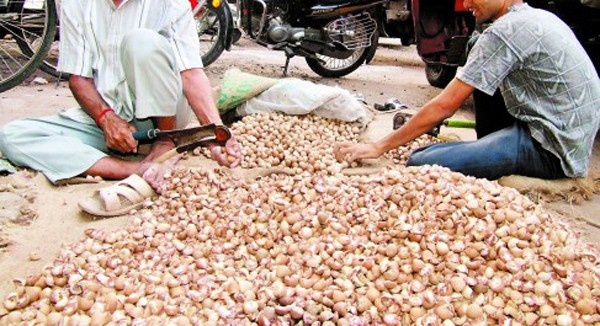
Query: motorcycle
334, 36
214, 25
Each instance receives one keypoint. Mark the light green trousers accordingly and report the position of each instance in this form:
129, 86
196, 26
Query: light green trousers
61, 146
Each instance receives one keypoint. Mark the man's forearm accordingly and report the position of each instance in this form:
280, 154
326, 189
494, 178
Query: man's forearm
443, 106
85, 92
198, 92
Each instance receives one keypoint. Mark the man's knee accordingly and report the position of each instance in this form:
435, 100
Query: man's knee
450, 154
419, 157
9, 136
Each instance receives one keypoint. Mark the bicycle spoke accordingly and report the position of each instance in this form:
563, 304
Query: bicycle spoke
10, 54
339, 64
26, 33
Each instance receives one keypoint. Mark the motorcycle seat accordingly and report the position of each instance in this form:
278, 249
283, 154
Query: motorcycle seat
591, 3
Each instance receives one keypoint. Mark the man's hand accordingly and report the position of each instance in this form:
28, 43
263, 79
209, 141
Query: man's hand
351, 152
230, 155
118, 133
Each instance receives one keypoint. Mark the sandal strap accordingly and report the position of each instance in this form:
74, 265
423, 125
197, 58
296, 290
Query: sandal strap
139, 184
112, 196
133, 188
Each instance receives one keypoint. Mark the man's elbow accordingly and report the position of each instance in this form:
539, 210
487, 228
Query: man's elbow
443, 109
451, 98
76, 81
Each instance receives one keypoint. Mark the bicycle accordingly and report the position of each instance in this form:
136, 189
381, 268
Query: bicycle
27, 30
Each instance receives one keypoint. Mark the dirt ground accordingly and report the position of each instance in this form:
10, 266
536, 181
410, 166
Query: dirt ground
37, 218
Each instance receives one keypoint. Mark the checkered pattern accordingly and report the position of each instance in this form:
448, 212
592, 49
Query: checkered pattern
546, 79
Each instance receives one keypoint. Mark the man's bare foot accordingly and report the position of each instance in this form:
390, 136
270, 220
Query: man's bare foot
154, 173
158, 148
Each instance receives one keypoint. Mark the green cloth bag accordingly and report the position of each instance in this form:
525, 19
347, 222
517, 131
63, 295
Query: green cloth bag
237, 87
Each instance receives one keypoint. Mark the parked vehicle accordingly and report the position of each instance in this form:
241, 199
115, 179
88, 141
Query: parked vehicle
441, 29
27, 30
214, 23
334, 36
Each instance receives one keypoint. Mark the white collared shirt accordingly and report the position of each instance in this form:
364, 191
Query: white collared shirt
91, 32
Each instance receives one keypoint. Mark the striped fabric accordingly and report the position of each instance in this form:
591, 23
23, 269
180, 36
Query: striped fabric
546, 79
91, 32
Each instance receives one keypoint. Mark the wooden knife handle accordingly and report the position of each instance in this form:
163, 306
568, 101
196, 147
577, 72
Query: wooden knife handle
166, 155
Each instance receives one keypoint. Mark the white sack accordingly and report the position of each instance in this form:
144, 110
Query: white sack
298, 97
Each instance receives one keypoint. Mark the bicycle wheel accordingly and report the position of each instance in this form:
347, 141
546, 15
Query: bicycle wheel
51, 60
21, 22
211, 26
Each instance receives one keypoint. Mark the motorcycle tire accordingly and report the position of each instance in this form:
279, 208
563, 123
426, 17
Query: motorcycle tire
17, 65
211, 27
439, 75
359, 56
236, 35
372, 48
329, 69
407, 39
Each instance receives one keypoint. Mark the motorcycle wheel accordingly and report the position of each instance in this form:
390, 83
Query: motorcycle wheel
211, 28
19, 25
237, 35
333, 68
372, 48
439, 75
329, 67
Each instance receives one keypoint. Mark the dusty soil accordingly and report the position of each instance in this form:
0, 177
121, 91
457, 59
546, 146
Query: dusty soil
37, 218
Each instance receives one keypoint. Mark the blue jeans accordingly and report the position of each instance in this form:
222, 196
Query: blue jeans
507, 151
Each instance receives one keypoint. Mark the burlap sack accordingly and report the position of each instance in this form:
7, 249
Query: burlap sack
574, 191
238, 87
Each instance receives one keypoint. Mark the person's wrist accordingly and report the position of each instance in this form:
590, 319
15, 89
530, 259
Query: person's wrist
102, 114
379, 148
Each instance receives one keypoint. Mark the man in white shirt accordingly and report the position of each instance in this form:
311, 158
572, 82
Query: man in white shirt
134, 65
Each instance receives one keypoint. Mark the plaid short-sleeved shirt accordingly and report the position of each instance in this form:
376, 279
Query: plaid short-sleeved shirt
546, 78
90, 37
